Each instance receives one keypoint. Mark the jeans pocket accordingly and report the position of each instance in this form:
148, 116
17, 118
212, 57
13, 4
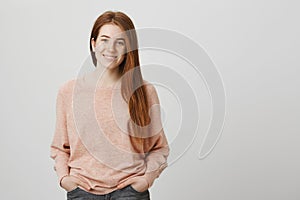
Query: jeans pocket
74, 190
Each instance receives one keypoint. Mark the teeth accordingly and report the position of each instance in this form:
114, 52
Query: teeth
110, 56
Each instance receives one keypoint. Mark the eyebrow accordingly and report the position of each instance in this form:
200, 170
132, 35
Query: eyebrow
109, 37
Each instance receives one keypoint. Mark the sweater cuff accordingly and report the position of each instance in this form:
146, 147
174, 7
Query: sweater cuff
150, 176
61, 173
60, 179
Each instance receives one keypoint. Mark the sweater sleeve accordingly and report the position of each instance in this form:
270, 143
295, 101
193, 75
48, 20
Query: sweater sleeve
156, 146
60, 148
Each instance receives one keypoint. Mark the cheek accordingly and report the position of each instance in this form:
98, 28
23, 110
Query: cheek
98, 52
99, 48
122, 51
98, 55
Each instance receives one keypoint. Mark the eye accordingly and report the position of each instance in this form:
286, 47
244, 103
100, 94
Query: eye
120, 43
104, 40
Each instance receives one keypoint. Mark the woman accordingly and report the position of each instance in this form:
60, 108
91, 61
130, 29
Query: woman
109, 142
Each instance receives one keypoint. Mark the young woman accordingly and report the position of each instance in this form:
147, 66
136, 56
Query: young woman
109, 142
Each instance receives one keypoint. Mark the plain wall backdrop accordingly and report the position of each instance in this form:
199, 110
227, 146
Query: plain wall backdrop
255, 46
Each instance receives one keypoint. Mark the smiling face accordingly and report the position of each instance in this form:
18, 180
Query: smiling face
110, 46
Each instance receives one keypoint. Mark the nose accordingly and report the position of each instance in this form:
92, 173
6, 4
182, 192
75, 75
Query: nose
111, 46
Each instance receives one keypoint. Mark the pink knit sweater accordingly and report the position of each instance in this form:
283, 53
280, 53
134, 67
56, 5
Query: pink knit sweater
93, 137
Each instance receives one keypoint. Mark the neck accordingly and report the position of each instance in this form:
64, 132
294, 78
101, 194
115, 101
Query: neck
106, 76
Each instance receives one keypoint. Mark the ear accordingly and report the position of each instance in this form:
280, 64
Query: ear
93, 43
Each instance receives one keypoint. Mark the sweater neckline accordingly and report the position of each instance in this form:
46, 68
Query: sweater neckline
82, 84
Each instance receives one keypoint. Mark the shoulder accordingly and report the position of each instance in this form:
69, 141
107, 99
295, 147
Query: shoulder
151, 93
149, 87
64, 93
67, 87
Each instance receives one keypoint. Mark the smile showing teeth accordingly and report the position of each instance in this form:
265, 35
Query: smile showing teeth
110, 57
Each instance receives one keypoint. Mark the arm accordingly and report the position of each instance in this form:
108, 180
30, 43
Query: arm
60, 149
156, 147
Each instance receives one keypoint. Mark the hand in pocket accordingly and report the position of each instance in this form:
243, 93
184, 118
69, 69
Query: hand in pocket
138, 183
70, 183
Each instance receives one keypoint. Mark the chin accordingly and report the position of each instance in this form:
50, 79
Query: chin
110, 65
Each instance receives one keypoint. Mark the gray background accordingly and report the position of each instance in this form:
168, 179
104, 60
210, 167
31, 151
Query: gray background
255, 46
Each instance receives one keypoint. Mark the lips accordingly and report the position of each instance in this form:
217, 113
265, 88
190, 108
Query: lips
109, 57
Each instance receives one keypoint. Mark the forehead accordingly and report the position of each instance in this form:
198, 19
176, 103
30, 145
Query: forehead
111, 30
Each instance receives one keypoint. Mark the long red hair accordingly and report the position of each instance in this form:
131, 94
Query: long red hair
137, 102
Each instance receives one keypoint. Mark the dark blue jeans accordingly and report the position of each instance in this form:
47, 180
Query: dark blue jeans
126, 193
